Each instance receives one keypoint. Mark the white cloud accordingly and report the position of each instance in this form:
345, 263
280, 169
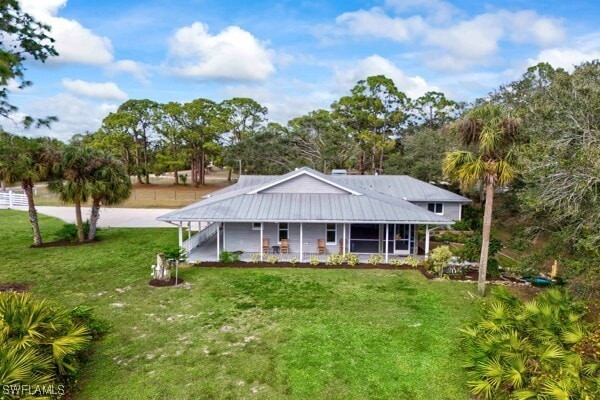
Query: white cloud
413, 86
138, 70
231, 54
377, 23
437, 10
529, 27
75, 115
96, 90
584, 48
74, 42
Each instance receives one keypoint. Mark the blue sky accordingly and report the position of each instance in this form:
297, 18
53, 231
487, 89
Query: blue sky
291, 56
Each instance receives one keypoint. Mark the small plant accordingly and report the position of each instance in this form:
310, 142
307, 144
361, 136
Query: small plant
254, 258
175, 253
334, 259
493, 268
272, 259
293, 261
314, 260
396, 262
183, 178
351, 259
440, 257
226, 257
412, 261
375, 259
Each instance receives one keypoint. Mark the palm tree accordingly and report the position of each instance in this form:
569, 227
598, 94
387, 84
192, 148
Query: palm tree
489, 134
110, 186
39, 342
78, 166
29, 161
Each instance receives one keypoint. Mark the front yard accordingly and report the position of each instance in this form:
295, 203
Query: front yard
246, 333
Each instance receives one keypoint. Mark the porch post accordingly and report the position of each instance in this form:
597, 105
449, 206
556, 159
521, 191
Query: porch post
301, 241
189, 228
180, 234
261, 240
218, 239
416, 241
387, 238
344, 241
426, 241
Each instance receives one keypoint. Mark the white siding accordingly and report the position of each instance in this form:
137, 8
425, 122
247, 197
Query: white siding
240, 236
451, 210
304, 184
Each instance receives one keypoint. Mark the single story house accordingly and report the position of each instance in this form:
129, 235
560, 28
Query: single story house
306, 213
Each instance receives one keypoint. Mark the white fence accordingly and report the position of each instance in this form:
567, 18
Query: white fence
11, 199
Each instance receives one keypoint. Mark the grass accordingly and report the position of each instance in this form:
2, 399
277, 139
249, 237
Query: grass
246, 333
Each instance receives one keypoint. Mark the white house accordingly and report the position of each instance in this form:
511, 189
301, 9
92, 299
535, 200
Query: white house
306, 213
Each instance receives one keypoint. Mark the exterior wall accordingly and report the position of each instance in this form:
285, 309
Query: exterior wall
451, 210
241, 236
304, 184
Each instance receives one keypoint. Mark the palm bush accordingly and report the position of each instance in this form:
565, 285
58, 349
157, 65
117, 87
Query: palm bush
39, 342
527, 350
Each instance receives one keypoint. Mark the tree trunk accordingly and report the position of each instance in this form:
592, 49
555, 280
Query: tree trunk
361, 163
202, 174
381, 162
193, 170
176, 173
146, 173
138, 165
2, 186
485, 239
229, 174
94, 216
33, 218
79, 221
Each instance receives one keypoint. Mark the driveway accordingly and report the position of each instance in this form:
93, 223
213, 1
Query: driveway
111, 217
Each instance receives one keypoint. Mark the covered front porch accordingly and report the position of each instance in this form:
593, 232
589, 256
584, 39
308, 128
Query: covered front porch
391, 241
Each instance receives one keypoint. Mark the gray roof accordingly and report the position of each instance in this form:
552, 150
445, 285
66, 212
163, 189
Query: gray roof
244, 202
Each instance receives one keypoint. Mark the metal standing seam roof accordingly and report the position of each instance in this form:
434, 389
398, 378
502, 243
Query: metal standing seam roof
235, 204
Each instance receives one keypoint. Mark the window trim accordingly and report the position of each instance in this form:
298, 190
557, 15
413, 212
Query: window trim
435, 208
280, 229
327, 230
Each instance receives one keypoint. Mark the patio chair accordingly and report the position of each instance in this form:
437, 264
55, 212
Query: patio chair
265, 248
321, 249
285, 246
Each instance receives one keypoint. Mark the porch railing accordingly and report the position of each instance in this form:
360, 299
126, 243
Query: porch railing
200, 237
11, 199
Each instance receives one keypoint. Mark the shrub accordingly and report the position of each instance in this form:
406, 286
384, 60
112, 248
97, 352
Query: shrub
41, 344
314, 261
396, 262
412, 261
293, 260
68, 232
254, 258
183, 178
226, 257
272, 259
472, 248
440, 257
527, 350
351, 259
493, 268
334, 259
375, 259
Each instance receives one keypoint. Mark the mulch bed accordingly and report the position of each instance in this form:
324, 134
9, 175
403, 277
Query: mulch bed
161, 283
14, 286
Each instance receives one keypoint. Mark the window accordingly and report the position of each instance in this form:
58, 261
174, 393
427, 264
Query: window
331, 233
437, 208
256, 226
283, 231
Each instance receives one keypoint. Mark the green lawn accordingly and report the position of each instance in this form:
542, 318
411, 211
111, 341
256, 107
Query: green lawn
246, 333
